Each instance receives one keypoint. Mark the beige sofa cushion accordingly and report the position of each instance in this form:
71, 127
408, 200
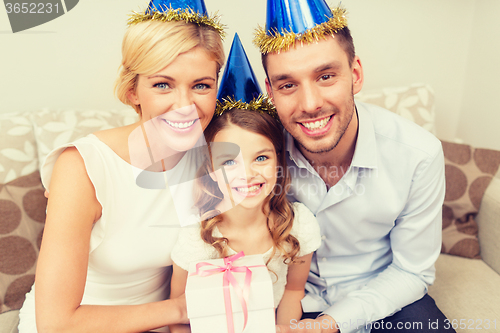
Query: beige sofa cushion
488, 220
467, 289
9, 321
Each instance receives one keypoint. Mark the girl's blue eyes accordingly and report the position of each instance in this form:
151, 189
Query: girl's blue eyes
258, 159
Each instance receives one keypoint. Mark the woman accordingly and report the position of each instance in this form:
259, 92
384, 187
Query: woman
104, 265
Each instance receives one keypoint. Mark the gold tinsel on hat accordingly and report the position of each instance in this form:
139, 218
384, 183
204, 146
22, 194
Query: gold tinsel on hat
260, 104
274, 41
179, 14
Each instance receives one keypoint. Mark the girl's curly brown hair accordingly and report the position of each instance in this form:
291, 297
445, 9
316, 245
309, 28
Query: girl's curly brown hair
276, 207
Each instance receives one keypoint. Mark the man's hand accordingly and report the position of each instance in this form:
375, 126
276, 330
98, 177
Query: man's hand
323, 324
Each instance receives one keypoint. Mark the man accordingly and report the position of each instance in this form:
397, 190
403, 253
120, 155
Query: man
374, 180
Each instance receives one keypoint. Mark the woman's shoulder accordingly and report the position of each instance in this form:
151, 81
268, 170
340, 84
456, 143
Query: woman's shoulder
72, 187
63, 158
92, 152
114, 139
70, 160
117, 139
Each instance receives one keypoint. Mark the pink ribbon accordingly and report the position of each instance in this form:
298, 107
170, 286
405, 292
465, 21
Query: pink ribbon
227, 279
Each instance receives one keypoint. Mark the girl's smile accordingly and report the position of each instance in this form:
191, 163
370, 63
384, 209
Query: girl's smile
250, 190
251, 174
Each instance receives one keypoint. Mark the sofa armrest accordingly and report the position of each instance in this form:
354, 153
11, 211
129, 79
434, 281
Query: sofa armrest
488, 220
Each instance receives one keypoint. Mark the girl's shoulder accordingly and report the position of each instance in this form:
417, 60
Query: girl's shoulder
190, 247
306, 229
302, 214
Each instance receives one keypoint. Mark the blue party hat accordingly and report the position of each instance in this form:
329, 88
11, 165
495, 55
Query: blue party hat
197, 6
239, 80
193, 11
239, 88
289, 21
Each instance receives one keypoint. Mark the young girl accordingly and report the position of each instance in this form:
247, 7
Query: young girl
262, 221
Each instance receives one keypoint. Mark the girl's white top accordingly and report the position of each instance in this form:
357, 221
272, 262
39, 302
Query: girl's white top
191, 248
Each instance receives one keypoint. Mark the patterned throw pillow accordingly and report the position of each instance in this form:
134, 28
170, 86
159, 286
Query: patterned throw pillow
54, 128
22, 217
468, 173
22, 204
415, 103
18, 156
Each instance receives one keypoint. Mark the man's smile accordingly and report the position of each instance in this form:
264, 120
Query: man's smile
314, 125
317, 127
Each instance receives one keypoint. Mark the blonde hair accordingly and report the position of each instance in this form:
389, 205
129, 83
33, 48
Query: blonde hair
150, 46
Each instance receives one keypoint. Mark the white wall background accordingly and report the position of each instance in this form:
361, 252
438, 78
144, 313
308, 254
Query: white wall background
452, 45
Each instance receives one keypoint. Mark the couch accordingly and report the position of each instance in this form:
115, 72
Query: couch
467, 286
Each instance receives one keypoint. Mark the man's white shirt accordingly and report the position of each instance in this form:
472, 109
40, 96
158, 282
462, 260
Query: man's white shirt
380, 224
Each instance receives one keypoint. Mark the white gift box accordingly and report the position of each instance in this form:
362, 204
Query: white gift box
206, 302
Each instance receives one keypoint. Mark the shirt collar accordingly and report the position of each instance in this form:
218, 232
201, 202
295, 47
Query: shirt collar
294, 153
365, 153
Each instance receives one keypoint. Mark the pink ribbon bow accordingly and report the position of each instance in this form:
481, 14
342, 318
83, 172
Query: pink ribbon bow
228, 278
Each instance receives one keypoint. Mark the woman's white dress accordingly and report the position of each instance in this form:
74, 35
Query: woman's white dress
131, 244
